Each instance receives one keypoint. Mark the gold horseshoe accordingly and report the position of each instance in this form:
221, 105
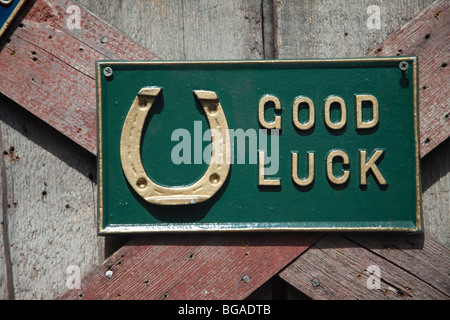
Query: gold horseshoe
130, 156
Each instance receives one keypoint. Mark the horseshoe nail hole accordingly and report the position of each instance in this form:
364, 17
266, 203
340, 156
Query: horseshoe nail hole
212, 109
142, 103
141, 183
214, 178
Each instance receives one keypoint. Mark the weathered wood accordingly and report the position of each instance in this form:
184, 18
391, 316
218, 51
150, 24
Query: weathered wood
331, 29
336, 268
435, 168
200, 266
427, 36
40, 51
193, 30
50, 206
417, 254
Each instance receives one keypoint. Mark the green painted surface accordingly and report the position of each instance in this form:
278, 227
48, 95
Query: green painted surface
241, 204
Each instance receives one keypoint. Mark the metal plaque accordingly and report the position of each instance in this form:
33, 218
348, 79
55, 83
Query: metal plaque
329, 144
8, 10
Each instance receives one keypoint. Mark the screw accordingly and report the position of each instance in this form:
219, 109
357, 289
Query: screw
315, 283
403, 65
246, 278
104, 39
107, 72
108, 274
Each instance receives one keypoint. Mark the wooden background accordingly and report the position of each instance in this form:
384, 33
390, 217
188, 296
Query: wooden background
48, 182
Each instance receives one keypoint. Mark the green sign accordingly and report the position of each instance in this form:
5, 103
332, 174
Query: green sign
328, 144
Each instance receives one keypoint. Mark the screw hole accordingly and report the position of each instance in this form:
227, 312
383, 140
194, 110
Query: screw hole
212, 109
427, 36
141, 183
444, 65
214, 178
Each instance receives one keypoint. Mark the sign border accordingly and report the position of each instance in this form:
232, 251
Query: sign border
256, 226
11, 17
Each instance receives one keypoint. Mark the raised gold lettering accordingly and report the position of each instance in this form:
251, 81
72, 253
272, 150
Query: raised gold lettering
295, 177
346, 173
360, 124
276, 124
341, 123
297, 123
262, 181
371, 165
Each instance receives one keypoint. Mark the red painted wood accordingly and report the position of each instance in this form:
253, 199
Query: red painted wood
192, 266
339, 267
427, 36
49, 69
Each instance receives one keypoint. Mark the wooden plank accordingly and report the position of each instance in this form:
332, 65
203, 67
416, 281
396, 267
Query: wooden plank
50, 207
435, 168
336, 268
193, 30
40, 52
417, 254
332, 29
427, 37
200, 266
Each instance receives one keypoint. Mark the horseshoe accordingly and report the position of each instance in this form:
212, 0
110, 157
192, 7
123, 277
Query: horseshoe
130, 154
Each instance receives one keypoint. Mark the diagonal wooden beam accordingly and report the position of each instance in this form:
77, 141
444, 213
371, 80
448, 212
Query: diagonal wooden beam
427, 36
49, 69
408, 267
200, 266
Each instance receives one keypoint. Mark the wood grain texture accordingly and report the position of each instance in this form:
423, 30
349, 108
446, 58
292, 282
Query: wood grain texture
50, 206
427, 36
188, 30
40, 51
338, 268
200, 266
435, 168
337, 29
